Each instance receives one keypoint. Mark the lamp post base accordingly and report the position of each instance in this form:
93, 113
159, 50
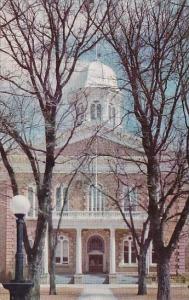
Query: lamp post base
18, 290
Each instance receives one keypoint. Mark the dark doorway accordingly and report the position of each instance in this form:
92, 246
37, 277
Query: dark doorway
96, 263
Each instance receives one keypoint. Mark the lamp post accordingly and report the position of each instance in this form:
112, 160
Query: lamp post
18, 287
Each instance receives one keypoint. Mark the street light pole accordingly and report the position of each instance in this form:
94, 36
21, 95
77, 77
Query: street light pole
19, 288
19, 253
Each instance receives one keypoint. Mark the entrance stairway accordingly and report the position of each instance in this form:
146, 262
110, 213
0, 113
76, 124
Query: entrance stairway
96, 279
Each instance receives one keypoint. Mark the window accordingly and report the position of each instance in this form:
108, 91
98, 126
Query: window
154, 256
80, 113
96, 199
112, 114
96, 111
33, 203
61, 198
129, 253
129, 198
62, 251
95, 243
126, 252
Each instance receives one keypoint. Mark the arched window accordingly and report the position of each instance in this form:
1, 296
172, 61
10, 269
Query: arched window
33, 202
61, 196
96, 199
129, 198
129, 253
96, 111
62, 251
95, 243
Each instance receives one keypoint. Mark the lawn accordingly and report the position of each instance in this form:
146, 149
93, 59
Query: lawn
178, 293
71, 293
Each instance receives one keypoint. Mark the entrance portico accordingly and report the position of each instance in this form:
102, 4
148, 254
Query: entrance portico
95, 252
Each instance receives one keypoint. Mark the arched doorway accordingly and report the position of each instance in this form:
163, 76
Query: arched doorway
95, 250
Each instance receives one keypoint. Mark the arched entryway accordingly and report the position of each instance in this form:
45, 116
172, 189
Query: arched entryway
96, 256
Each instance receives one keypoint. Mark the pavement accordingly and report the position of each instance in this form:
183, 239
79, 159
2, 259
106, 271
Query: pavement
94, 293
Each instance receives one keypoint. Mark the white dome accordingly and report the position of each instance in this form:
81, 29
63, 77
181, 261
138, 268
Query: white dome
93, 74
100, 75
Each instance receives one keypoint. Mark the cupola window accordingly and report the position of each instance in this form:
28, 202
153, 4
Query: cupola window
112, 114
96, 111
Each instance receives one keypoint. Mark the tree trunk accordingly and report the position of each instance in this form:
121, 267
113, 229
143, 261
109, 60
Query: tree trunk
34, 271
163, 273
52, 289
142, 288
52, 252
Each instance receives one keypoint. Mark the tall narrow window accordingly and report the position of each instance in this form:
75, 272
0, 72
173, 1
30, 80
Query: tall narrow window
126, 252
62, 251
61, 198
154, 256
129, 253
58, 253
65, 198
93, 107
31, 198
96, 111
80, 113
65, 247
112, 114
96, 199
99, 111
130, 198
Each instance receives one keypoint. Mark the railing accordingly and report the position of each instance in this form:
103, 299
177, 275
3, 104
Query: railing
98, 214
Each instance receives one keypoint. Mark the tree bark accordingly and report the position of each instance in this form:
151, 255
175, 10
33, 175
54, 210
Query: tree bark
52, 251
34, 276
142, 288
163, 273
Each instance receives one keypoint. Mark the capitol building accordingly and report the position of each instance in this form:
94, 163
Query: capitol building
93, 237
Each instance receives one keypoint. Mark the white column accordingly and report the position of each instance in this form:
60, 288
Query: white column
112, 252
78, 252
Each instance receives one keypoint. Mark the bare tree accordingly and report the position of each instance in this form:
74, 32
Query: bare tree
147, 38
42, 45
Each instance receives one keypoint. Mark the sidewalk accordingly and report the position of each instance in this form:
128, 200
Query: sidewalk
94, 293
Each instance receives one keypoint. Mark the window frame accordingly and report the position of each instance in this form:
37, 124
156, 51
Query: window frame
96, 111
112, 114
129, 240
61, 240
63, 189
96, 201
128, 201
